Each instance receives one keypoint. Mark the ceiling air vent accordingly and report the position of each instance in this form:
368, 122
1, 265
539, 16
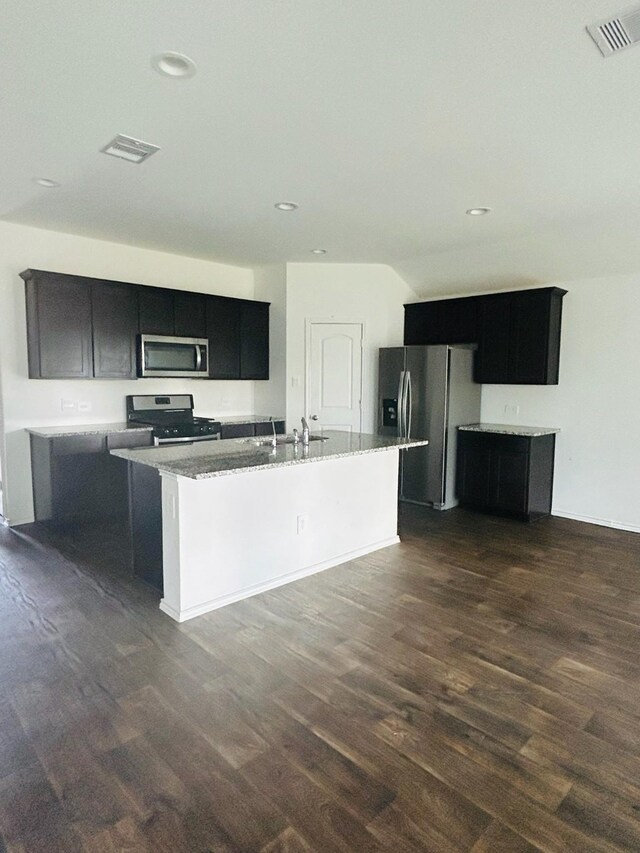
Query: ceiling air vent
128, 148
615, 34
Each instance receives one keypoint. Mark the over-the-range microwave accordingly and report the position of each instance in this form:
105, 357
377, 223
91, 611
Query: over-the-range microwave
163, 355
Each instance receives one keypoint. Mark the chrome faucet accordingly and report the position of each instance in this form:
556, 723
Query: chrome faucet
274, 440
305, 432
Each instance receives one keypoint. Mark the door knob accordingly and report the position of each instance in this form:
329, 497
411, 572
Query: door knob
314, 417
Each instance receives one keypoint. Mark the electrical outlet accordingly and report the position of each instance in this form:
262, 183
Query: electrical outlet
511, 410
303, 524
68, 405
84, 406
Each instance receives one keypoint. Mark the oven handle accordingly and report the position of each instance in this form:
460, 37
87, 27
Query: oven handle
198, 357
162, 441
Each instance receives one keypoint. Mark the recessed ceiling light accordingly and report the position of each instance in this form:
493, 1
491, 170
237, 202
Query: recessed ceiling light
46, 182
174, 65
319, 251
286, 205
478, 211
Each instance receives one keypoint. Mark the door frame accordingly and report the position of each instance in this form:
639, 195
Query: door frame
331, 321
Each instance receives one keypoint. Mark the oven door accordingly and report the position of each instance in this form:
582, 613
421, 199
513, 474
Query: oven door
161, 355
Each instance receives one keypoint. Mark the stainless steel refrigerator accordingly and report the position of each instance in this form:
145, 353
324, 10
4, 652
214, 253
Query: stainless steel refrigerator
426, 392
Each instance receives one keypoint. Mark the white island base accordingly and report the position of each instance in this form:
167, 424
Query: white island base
230, 537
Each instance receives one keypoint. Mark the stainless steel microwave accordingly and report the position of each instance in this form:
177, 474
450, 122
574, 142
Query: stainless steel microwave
162, 355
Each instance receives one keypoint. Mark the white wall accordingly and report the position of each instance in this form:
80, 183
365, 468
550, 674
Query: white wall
370, 293
271, 286
31, 402
349, 507
596, 404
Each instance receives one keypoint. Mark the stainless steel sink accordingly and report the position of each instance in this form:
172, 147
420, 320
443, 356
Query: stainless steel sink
283, 439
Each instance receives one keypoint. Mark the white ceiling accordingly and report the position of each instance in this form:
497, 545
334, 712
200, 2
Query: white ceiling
384, 119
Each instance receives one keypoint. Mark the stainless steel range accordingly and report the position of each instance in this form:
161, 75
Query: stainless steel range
171, 417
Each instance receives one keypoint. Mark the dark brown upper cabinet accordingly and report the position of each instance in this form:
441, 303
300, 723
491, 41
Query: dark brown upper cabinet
519, 341
79, 328
156, 311
254, 340
172, 312
442, 321
114, 309
223, 332
238, 332
189, 314
517, 333
58, 326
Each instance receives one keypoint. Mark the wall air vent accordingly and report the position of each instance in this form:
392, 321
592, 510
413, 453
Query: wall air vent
128, 148
614, 34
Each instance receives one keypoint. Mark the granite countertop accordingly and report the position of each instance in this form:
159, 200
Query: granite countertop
249, 419
510, 429
85, 429
219, 458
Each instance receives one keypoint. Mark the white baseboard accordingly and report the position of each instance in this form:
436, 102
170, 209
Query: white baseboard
256, 589
12, 522
602, 522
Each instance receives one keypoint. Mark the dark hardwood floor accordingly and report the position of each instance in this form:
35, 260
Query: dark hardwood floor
475, 688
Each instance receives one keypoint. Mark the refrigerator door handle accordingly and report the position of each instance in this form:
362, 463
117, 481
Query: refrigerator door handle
409, 404
405, 402
400, 426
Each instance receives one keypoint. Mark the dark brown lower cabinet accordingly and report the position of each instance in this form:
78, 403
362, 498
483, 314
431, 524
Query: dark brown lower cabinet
145, 516
510, 475
75, 478
250, 429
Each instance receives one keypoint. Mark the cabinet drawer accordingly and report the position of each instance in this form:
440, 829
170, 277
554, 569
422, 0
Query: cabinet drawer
135, 438
68, 445
495, 441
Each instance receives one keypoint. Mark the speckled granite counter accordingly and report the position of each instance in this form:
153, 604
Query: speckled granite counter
85, 429
219, 458
509, 429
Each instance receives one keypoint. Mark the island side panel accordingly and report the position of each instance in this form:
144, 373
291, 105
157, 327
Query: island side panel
230, 537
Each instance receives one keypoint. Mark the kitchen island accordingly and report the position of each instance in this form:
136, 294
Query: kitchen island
240, 517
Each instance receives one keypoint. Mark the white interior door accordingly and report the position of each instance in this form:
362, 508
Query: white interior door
334, 376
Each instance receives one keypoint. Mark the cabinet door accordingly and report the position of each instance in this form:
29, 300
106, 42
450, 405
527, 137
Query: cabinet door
529, 337
223, 332
423, 323
254, 340
59, 327
473, 470
189, 315
509, 481
115, 324
265, 428
145, 507
443, 321
156, 311
492, 356
459, 320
